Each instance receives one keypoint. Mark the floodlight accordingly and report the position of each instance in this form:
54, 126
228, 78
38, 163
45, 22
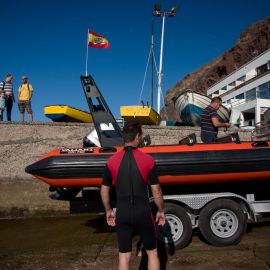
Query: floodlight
173, 11
157, 10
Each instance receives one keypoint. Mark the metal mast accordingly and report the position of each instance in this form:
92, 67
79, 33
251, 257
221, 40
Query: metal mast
158, 13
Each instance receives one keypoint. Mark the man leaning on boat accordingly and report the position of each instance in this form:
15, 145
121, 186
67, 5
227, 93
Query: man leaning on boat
210, 121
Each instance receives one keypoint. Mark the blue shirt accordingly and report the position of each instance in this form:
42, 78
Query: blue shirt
206, 121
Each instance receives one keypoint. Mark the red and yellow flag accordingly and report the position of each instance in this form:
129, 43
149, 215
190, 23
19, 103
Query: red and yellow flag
97, 41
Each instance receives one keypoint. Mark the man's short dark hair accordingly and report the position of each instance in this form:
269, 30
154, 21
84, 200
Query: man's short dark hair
216, 99
130, 130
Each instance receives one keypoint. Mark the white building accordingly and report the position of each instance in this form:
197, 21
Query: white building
247, 89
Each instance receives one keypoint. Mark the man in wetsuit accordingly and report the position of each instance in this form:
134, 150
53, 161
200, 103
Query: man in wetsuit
131, 172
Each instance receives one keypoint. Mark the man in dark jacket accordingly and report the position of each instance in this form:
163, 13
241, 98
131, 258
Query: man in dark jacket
131, 172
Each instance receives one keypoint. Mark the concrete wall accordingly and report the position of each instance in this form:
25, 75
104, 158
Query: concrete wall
21, 194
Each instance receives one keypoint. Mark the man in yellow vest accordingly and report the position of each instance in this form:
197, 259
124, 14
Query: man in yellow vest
24, 99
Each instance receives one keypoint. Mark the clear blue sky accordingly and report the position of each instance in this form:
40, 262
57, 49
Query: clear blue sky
46, 40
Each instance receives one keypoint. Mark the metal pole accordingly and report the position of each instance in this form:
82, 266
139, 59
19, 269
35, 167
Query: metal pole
160, 65
152, 59
86, 58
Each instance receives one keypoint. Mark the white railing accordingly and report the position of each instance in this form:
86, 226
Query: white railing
261, 131
236, 102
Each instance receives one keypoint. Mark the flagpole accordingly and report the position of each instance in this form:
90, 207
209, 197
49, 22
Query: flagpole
86, 60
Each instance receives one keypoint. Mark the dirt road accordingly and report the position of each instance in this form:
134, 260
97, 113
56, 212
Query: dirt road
85, 242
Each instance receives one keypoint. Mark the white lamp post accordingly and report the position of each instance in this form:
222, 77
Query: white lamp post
158, 13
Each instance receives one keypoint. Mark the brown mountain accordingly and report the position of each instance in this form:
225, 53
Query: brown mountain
252, 42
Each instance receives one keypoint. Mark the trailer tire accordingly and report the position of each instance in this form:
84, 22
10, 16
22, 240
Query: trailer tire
177, 230
222, 222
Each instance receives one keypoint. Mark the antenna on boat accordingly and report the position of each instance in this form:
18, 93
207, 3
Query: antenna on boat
157, 13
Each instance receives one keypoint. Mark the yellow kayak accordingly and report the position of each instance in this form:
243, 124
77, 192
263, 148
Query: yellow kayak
64, 113
142, 114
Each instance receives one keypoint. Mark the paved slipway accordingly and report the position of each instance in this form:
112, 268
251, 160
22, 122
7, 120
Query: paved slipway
85, 242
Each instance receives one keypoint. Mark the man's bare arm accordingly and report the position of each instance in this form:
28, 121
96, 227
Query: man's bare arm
158, 198
217, 123
105, 197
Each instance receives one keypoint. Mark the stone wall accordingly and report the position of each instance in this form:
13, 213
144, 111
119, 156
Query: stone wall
21, 144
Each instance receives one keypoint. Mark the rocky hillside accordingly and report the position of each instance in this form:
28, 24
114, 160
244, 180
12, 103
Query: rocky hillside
252, 42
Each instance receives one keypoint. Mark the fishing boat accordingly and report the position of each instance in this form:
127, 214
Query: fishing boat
142, 114
64, 113
190, 105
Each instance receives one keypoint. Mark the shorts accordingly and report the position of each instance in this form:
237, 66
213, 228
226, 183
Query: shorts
25, 105
135, 219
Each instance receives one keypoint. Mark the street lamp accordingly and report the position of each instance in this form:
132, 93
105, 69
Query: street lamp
157, 13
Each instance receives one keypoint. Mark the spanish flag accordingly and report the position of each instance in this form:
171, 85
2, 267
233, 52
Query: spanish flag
97, 41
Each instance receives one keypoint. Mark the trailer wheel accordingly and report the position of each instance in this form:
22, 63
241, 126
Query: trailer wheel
222, 222
177, 230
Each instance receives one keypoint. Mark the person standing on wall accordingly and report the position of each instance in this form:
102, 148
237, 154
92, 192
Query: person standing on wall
7, 87
2, 104
131, 172
210, 121
24, 99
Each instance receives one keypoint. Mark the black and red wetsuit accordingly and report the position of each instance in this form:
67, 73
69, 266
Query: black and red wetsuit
131, 171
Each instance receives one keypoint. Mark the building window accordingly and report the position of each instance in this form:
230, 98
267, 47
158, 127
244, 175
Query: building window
251, 94
242, 79
264, 91
261, 69
232, 84
241, 96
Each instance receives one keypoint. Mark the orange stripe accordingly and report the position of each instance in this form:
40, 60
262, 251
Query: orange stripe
168, 148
